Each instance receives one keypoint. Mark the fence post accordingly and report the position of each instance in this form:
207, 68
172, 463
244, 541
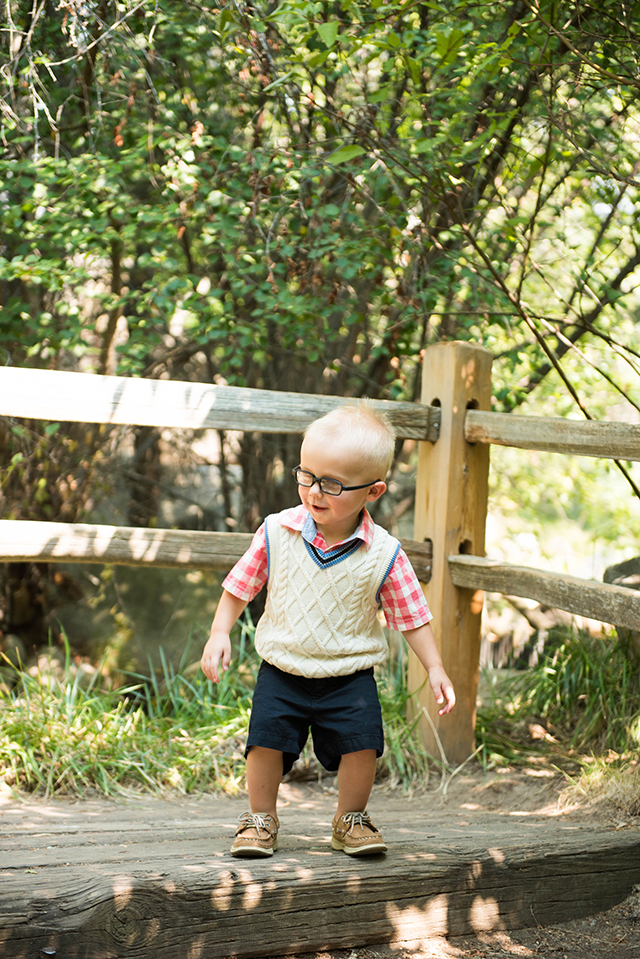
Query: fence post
451, 510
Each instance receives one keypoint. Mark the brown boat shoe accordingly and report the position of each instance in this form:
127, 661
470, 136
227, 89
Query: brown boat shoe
355, 834
256, 836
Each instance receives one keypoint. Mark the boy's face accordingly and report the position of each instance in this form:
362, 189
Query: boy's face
336, 517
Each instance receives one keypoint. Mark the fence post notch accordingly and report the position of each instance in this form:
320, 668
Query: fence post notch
451, 511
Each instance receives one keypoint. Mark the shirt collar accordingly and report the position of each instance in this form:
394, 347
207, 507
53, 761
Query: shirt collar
301, 520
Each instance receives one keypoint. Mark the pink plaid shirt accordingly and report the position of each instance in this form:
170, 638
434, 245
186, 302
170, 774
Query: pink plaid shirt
401, 596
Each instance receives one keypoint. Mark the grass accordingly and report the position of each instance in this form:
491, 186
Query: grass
405, 761
177, 731
612, 778
578, 710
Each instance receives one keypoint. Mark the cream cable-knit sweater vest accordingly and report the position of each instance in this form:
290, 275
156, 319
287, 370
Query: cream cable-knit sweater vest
320, 620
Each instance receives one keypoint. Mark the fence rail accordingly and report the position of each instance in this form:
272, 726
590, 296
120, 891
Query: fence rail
583, 597
120, 400
31, 541
618, 441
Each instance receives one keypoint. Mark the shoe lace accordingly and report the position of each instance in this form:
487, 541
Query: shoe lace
253, 820
353, 819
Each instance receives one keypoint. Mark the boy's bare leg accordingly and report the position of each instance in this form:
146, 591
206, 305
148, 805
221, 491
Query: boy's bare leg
264, 773
356, 774
356, 834
257, 834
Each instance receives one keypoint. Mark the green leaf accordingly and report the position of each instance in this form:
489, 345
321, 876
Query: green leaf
422, 144
328, 32
448, 45
414, 69
346, 153
227, 19
382, 94
318, 59
277, 83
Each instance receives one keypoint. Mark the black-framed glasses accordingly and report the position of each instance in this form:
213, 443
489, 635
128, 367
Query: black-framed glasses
332, 487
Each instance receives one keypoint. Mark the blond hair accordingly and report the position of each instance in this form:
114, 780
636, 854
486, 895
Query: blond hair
369, 430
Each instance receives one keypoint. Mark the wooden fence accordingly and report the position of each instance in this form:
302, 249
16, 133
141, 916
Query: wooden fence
454, 427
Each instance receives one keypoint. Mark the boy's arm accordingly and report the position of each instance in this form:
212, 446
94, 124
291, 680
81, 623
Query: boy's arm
423, 643
218, 648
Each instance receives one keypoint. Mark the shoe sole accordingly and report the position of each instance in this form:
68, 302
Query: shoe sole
370, 850
254, 852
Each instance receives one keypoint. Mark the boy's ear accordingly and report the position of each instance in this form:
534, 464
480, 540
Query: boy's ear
375, 491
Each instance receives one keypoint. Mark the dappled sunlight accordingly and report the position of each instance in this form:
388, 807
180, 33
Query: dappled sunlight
10, 808
412, 922
122, 890
469, 374
442, 948
83, 543
484, 915
252, 894
157, 876
221, 896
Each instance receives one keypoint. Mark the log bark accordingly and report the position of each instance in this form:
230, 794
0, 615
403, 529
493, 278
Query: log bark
169, 888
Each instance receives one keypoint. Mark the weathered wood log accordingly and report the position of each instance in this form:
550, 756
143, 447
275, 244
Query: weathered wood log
620, 441
28, 540
582, 597
89, 398
181, 896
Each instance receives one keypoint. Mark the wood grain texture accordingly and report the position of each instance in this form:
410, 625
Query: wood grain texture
451, 509
89, 398
583, 597
619, 441
29, 540
184, 901
151, 877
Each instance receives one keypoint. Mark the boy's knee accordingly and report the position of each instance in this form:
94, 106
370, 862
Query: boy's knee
264, 754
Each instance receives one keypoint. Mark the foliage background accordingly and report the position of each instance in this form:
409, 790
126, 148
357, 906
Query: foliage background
303, 196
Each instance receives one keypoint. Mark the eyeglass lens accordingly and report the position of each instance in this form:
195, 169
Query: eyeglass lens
327, 485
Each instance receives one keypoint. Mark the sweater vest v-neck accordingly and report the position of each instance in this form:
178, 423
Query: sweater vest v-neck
321, 613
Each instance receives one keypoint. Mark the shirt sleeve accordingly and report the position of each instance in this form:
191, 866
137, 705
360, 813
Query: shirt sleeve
250, 573
402, 599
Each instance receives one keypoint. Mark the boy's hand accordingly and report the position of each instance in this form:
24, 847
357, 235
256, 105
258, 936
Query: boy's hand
217, 652
218, 648
442, 689
423, 643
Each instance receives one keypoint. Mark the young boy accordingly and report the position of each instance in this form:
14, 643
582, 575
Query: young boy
329, 568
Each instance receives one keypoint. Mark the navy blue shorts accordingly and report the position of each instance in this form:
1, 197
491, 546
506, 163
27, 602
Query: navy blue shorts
342, 712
